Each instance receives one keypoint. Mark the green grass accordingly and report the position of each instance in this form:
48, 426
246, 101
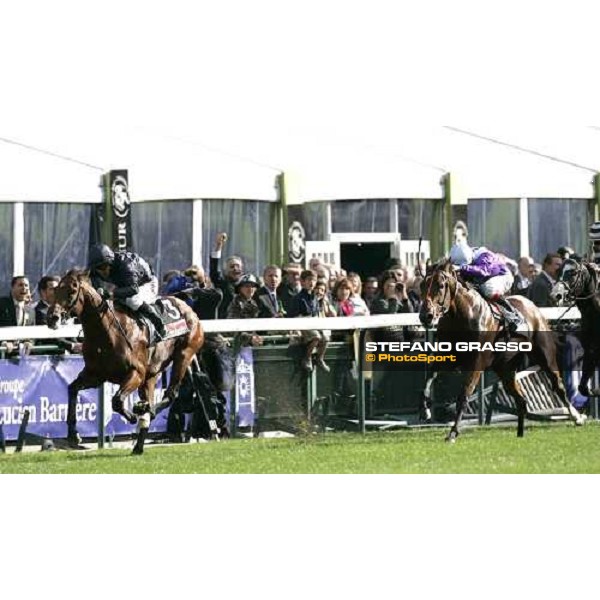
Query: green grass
557, 448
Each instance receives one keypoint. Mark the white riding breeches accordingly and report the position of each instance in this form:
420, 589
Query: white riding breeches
497, 286
147, 293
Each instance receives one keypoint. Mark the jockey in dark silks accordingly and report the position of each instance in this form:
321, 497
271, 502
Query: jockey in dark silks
491, 277
135, 284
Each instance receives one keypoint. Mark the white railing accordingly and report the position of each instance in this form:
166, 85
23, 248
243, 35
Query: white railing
42, 332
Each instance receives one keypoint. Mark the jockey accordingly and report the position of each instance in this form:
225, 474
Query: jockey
135, 284
490, 275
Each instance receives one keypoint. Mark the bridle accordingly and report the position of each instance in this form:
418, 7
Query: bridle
575, 284
444, 308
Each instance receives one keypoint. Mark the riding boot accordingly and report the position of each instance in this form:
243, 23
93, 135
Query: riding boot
149, 311
514, 320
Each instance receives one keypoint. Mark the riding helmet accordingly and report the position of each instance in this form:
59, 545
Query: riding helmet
461, 254
247, 279
100, 254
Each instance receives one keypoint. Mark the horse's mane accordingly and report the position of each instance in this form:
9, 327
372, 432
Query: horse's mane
78, 273
444, 264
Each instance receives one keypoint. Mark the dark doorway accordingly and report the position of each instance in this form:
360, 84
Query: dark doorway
366, 259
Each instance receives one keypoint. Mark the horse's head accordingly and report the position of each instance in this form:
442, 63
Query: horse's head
570, 282
68, 297
437, 291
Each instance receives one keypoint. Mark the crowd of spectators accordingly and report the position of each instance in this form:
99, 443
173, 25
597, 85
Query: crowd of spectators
229, 292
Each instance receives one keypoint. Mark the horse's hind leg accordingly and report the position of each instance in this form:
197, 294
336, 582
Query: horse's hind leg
182, 359
547, 361
514, 388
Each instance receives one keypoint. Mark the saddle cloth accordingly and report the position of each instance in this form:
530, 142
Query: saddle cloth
175, 324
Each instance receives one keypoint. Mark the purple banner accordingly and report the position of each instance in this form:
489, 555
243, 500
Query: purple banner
244, 389
39, 383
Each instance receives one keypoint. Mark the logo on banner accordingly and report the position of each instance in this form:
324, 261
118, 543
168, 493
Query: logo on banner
296, 242
121, 202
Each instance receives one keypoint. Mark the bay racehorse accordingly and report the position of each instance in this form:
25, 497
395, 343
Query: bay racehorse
463, 314
578, 284
117, 349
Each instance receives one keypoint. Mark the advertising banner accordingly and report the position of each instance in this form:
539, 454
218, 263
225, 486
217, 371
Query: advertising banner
39, 383
120, 206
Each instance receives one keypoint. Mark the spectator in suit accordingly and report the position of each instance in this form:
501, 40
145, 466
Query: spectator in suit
523, 278
46, 287
290, 287
539, 291
227, 280
268, 303
15, 310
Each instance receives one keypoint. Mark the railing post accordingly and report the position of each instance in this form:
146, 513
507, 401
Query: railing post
361, 382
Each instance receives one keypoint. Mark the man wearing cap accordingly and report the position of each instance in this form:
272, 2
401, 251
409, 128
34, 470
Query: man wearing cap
135, 284
243, 306
491, 277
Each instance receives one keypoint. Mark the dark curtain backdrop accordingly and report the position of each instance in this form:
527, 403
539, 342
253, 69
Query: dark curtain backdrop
162, 234
247, 224
556, 223
495, 225
56, 238
6, 247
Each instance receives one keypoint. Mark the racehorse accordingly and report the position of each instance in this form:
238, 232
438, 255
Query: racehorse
116, 348
578, 284
462, 313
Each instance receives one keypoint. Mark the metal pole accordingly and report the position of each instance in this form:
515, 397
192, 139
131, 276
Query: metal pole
101, 399
482, 398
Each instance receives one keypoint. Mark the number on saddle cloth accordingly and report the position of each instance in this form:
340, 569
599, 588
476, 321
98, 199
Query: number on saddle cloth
171, 316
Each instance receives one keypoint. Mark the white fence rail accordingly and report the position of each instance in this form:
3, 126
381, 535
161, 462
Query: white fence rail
42, 332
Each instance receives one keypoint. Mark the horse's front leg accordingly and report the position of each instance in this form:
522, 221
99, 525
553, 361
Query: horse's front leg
130, 384
85, 380
145, 411
426, 398
469, 386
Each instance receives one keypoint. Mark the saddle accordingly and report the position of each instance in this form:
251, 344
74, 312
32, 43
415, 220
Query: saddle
499, 313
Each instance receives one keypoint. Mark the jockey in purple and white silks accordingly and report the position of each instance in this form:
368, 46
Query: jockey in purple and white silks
491, 276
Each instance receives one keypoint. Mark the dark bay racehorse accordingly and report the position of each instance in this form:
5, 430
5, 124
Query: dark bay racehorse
578, 284
464, 314
116, 349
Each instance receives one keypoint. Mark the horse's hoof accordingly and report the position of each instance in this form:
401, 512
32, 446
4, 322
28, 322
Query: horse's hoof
584, 391
137, 450
74, 440
451, 437
132, 420
427, 415
580, 421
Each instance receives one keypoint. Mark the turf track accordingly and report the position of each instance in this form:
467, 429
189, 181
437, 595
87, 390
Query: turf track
556, 448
